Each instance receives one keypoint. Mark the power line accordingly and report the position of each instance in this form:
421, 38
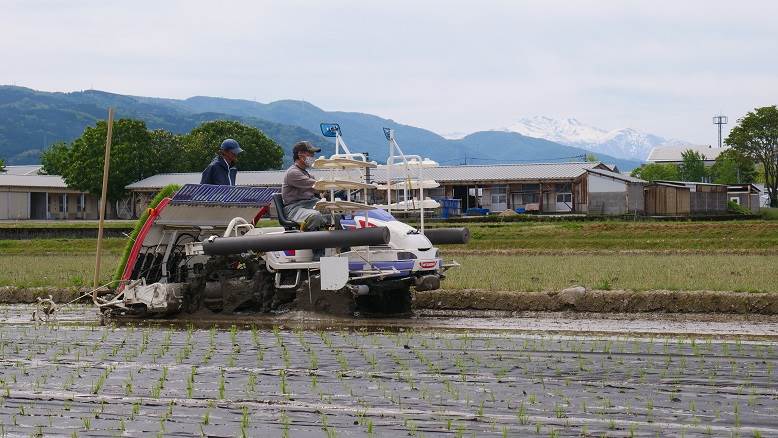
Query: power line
581, 157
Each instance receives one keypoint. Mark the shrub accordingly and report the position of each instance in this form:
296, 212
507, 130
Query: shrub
770, 214
735, 208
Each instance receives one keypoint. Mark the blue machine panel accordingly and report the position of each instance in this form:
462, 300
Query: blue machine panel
206, 194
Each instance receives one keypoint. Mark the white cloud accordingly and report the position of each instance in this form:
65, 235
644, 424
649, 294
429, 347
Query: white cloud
663, 66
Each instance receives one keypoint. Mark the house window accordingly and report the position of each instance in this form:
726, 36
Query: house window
529, 198
499, 195
566, 198
63, 203
735, 199
435, 193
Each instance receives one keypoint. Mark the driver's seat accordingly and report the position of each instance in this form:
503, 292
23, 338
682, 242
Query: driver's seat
285, 222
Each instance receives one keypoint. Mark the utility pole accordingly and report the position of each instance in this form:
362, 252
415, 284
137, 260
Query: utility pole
103, 201
720, 120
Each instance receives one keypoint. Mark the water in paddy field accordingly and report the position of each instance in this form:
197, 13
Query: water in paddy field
544, 374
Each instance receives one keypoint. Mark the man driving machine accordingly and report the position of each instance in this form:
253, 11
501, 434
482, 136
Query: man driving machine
297, 190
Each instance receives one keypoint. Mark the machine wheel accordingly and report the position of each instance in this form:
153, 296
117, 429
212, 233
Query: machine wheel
340, 302
387, 301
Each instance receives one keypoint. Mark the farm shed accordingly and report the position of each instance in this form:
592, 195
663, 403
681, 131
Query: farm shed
666, 199
745, 195
545, 187
704, 199
611, 193
43, 197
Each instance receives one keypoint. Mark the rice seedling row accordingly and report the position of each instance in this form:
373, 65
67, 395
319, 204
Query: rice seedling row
82, 380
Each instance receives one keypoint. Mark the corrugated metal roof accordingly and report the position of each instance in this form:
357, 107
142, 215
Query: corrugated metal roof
50, 181
513, 172
688, 183
496, 172
662, 154
614, 175
31, 169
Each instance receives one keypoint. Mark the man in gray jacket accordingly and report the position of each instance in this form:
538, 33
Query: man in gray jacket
297, 190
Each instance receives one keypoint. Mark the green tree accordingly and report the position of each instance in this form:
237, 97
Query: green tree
56, 158
167, 147
133, 158
2, 164
656, 171
693, 166
199, 146
756, 136
732, 167
591, 158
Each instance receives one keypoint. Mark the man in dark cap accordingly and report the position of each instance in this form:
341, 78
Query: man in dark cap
222, 170
297, 190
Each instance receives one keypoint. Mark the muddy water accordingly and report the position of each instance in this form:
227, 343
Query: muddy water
434, 375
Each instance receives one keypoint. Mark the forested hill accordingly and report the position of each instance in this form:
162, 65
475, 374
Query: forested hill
32, 120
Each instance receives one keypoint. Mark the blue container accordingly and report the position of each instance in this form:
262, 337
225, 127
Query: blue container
449, 207
477, 212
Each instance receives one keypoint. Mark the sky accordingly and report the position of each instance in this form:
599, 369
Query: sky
665, 67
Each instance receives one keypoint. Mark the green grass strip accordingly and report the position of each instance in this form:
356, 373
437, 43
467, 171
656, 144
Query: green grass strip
164, 193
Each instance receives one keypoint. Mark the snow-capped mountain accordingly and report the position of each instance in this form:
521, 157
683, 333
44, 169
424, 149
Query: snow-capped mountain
455, 135
623, 143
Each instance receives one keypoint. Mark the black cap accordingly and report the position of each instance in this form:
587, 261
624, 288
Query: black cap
303, 146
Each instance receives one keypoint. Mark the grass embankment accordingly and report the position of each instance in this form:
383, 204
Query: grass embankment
622, 236
722, 256
634, 272
55, 262
65, 224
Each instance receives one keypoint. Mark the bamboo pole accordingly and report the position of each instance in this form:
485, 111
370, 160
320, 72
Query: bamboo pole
103, 200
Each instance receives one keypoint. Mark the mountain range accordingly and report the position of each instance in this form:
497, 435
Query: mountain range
32, 120
623, 143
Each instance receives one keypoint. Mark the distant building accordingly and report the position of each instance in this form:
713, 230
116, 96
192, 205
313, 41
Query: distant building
746, 195
612, 193
33, 169
684, 198
544, 187
43, 197
674, 154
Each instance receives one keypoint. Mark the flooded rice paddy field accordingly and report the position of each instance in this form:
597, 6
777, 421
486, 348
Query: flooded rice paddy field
430, 376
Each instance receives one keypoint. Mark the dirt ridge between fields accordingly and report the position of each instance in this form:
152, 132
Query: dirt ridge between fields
598, 301
587, 251
572, 299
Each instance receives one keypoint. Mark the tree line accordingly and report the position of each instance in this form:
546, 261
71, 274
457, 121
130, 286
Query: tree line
752, 157
138, 153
